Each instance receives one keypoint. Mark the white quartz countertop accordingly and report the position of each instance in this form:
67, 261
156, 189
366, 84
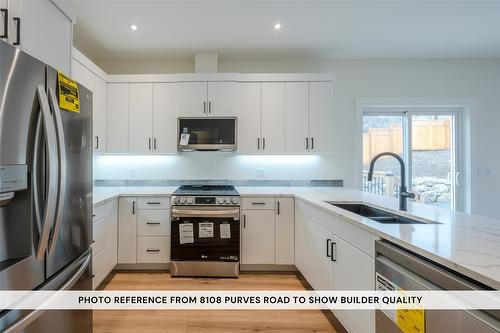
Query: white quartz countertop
465, 243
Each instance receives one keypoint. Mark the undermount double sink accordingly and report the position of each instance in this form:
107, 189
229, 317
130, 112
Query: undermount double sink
377, 215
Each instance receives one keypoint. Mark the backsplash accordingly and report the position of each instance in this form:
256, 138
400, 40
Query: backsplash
178, 182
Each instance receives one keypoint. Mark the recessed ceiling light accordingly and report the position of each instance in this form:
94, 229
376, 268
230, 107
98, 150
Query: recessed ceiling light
133, 27
277, 26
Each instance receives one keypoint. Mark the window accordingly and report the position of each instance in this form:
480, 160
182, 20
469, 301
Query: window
427, 139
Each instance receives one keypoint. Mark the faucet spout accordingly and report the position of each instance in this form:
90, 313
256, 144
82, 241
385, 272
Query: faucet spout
403, 190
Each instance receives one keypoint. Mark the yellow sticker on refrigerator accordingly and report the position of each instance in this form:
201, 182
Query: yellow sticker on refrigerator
411, 320
69, 95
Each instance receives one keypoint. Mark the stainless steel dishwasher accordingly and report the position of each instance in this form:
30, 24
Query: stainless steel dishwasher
397, 267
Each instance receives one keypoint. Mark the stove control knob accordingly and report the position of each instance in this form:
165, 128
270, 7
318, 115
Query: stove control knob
189, 201
176, 200
227, 200
234, 200
182, 200
220, 201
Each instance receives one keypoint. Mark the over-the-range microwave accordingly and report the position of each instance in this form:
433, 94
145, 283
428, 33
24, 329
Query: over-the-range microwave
207, 133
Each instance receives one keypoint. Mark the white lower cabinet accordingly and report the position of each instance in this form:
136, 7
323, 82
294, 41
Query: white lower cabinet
258, 237
328, 262
267, 231
153, 250
104, 246
144, 230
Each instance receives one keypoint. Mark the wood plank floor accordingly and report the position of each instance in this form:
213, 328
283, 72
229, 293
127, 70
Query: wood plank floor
240, 321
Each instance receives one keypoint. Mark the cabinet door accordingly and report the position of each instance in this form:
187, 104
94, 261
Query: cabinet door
248, 113
192, 99
14, 7
4, 4
98, 87
140, 129
285, 231
321, 117
301, 246
127, 230
117, 118
99, 114
296, 117
165, 118
258, 237
46, 33
111, 234
273, 117
353, 270
221, 98
319, 267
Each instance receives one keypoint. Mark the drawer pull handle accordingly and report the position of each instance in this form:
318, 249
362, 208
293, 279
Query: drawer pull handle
153, 250
153, 223
258, 203
153, 203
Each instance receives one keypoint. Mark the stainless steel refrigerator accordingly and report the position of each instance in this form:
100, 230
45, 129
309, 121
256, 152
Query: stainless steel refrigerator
45, 192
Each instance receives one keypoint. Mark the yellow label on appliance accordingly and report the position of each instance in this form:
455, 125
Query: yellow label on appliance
69, 95
411, 320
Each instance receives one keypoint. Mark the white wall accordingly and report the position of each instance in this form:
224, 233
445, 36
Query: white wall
478, 80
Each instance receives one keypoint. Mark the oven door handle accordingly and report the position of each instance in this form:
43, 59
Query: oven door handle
234, 213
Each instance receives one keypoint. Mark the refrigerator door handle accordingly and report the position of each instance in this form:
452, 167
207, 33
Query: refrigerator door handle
62, 169
32, 316
52, 171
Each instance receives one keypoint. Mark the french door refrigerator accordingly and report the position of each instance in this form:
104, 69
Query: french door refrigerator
45, 192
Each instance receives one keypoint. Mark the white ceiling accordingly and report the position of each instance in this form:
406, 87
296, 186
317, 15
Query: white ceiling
310, 29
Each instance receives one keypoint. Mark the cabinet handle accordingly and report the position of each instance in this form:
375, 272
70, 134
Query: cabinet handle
153, 223
17, 20
328, 248
153, 203
312, 143
258, 203
96, 142
204, 107
149, 143
263, 143
244, 221
133, 207
258, 143
334, 257
307, 143
152, 250
210, 107
154, 143
5, 14
278, 207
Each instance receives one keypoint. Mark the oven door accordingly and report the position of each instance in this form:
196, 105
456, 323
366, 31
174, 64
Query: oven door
205, 233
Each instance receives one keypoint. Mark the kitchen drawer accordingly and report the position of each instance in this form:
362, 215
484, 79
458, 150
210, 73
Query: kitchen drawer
154, 203
98, 232
153, 250
99, 211
257, 203
153, 223
98, 269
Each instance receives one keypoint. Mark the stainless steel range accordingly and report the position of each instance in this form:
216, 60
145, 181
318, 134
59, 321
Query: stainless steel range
205, 231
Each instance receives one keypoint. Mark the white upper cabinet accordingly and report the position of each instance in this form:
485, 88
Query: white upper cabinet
165, 118
248, 113
321, 117
197, 99
192, 99
296, 117
11, 14
140, 129
221, 98
45, 33
273, 117
98, 87
118, 118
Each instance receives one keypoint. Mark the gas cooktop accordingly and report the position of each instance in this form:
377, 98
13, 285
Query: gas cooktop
207, 190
